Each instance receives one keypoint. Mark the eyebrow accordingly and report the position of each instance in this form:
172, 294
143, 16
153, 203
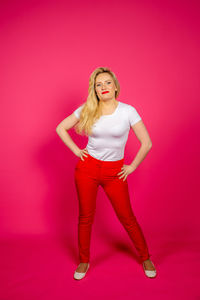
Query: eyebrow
105, 80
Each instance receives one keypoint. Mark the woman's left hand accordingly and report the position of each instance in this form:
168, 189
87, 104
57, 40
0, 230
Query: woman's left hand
126, 170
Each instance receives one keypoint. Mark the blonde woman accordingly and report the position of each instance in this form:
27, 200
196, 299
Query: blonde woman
106, 122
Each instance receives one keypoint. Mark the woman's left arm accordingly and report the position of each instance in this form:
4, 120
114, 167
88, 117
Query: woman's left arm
146, 144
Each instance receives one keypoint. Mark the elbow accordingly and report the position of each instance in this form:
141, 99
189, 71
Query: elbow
147, 145
58, 129
150, 145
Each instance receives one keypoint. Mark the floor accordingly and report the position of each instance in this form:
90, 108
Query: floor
43, 267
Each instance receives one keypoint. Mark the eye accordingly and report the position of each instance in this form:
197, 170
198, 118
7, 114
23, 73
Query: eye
109, 82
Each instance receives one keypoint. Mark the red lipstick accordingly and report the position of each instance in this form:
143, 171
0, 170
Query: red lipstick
105, 92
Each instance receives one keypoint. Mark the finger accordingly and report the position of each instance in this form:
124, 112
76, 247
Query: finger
120, 173
84, 155
121, 176
125, 178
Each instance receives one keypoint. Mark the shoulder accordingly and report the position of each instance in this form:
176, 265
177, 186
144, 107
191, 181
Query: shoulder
127, 107
131, 113
80, 106
77, 111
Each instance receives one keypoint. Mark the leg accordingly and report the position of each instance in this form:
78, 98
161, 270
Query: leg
86, 187
117, 191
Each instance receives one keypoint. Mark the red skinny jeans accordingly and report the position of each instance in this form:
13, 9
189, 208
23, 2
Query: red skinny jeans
91, 173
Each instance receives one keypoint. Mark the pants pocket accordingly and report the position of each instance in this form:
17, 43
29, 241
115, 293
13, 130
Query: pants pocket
80, 163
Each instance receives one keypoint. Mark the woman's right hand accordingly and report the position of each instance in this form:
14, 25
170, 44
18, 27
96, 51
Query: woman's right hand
82, 152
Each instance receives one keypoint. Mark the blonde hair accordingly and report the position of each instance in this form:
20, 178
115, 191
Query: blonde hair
91, 111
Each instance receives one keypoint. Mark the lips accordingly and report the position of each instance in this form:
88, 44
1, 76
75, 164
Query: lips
105, 92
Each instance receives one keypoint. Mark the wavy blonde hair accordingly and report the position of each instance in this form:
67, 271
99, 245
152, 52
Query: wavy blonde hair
91, 111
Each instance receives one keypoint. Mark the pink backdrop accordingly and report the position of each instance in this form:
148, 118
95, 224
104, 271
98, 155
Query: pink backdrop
48, 51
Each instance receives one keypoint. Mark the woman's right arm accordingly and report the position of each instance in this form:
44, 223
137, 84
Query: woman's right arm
62, 129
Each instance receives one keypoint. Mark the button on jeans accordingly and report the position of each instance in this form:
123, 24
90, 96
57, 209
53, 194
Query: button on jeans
88, 175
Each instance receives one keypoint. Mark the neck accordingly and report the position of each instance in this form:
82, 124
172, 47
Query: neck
108, 103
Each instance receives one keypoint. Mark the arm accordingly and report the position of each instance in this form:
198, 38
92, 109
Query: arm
62, 129
146, 144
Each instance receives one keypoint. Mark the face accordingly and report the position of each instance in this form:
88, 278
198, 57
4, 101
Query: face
105, 86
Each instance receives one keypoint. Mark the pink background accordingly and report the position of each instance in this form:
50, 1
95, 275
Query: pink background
48, 51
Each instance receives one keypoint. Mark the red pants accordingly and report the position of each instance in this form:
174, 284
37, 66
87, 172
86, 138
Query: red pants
91, 173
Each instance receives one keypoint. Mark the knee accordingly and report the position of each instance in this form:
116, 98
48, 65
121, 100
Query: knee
128, 220
86, 219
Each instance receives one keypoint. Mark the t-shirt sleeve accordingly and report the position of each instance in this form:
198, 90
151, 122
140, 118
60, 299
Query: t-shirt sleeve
77, 111
134, 117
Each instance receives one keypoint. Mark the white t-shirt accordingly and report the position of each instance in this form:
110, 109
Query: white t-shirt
110, 132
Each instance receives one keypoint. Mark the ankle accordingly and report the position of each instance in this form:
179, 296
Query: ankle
147, 260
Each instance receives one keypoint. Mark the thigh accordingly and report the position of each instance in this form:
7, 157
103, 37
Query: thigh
117, 191
86, 187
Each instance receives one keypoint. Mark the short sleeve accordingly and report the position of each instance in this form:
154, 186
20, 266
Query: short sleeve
77, 112
134, 117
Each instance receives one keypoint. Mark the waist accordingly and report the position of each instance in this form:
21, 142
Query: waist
114, 163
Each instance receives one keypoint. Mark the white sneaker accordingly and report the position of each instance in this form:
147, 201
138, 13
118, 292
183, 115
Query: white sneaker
149, 273
78, 275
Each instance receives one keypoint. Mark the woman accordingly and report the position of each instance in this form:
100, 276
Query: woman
106, 122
